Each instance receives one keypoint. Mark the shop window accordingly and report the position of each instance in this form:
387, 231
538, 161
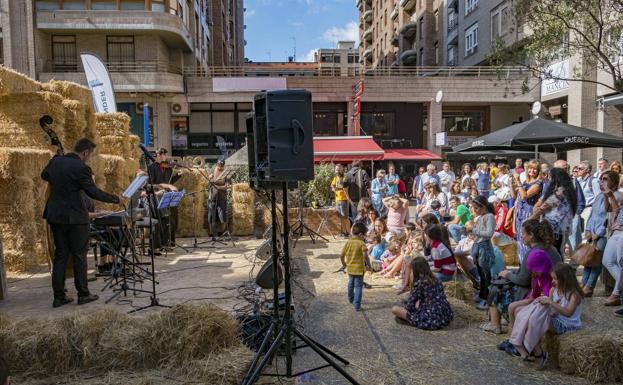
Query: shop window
378, 124
469, 122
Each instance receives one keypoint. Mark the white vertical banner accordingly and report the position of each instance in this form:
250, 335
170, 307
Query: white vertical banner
99, 82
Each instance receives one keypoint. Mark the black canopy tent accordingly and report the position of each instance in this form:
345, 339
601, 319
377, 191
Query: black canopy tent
540, 135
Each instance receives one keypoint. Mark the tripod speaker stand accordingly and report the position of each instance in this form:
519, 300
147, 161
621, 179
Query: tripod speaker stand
300, 228
282, 330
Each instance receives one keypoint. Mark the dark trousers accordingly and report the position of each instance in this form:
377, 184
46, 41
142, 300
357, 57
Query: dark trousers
70, 240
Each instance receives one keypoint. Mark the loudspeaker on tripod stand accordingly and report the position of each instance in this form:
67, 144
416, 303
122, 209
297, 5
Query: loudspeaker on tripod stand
280, 137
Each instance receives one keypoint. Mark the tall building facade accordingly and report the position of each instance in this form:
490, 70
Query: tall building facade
147, 45
227, 26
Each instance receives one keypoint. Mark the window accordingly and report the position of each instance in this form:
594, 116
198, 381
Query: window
421, 27
500, 21
336, 59
436, 53
378, 124
157, 5
48, 5
463, 122
470, 5
64, 56
436, 16
325, 123
120, 49
452, 55
471, 39
103, 5
132, 5
74, 5
1, 48
420, 57
353, 58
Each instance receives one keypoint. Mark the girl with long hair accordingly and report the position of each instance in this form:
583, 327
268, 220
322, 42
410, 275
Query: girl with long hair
525, 195
427, 307
482, 251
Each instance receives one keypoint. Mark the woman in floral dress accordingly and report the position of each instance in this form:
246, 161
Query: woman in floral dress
526, 195
427, 307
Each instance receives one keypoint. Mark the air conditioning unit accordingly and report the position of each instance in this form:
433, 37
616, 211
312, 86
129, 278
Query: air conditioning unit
139, 108
179, 109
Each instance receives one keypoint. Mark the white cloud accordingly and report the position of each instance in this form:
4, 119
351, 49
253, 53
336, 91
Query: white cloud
309, 57
249, 13
349, 32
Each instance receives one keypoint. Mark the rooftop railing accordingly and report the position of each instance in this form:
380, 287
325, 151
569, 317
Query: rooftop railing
117, 66
418, 71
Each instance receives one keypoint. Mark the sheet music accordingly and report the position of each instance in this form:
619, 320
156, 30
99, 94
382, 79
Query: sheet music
136, 184
171, 199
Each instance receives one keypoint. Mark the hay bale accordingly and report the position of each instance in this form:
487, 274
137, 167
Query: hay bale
115, 145
511, 256
243, 209
22, 162
19, 119
598, 357
192, 222
12, 82
69, 90
112, 124
459, 289
188, 340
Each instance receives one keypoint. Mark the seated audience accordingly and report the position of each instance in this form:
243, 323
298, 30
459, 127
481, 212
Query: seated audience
462, 215
441, 257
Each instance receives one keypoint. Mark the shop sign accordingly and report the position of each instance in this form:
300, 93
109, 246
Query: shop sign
554, 79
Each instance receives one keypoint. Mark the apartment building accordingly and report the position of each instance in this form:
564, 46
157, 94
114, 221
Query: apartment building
148, 46
227, 27
343, 60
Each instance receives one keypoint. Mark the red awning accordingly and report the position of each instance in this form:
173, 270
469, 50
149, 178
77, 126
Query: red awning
410, 154
344, 149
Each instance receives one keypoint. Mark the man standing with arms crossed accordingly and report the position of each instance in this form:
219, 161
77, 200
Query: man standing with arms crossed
70, 177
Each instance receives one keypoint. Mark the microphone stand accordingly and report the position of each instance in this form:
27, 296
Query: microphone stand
151, 198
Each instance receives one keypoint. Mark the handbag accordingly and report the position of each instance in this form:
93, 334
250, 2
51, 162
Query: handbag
587, 255
509, 222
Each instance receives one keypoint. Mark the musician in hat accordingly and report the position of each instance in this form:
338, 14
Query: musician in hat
217, 200
69, 177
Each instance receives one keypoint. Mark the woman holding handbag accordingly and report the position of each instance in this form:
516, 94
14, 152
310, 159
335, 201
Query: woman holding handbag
596, 232
613, 253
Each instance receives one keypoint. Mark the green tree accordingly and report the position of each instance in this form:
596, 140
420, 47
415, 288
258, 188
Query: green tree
547, 31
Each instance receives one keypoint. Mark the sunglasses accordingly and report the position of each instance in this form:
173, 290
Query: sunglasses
604, 179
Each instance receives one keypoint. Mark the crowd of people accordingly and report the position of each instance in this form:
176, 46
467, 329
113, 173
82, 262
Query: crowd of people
458, 225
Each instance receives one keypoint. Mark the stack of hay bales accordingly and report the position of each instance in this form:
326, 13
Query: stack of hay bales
243, 209
24, 153
119, 156
191, 222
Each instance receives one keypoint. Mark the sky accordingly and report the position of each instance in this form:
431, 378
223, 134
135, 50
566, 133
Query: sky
273, 26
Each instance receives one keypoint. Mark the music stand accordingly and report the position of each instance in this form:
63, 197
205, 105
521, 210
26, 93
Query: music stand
169, 200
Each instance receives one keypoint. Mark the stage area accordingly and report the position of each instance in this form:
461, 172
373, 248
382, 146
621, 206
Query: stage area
381, 351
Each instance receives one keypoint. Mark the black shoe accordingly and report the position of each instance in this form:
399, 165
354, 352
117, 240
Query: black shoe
512, 350
619, 313
87, 299
62, 301
503, 345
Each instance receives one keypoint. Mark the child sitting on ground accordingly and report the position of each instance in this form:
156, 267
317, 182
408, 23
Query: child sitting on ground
435, 206
427, 307
376, 248
355, 261
390, 255
561, 312
441, 257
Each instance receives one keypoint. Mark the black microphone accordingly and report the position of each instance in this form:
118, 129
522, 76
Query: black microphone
146, 152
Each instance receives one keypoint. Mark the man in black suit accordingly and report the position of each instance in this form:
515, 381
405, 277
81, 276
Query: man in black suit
69, 177
163, 176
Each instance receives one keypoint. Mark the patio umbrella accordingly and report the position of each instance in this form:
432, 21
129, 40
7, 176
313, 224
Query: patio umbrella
540, 135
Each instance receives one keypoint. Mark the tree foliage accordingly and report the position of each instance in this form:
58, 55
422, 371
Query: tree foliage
549, 30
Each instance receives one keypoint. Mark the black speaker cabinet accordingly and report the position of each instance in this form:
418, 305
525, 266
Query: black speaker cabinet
282, 136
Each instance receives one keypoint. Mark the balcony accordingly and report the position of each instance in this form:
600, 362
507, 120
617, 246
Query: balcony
453, 30
170, 27
140, 76
360, 4
367, 35
408, 57
367, 54
367, 16
409, 29
394, 14
408, 5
